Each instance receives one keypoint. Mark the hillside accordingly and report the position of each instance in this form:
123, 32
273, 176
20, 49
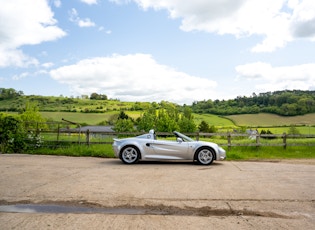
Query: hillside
265, 119
65, 104
285, 103
97, 118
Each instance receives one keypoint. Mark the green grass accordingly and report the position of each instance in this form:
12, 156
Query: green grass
51, 103
100, 150
266, 119
215, 120
134, 114
271, 153
87, 118
236, 140
235, 153
276, 124
306, 130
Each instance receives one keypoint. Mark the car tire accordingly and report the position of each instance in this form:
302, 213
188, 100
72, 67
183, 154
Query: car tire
205, 156
130, 155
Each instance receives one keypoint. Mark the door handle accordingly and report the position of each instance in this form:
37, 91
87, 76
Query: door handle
147, 144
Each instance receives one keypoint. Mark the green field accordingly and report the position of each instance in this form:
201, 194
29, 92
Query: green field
266, 119
87, 118
96, 118
306, 130
215, 120
276, 124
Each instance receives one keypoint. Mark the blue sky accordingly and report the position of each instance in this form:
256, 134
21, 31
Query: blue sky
154, 50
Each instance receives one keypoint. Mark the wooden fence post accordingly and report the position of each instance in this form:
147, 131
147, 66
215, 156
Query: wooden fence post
284, 140
229, 141
88, 137
58, 133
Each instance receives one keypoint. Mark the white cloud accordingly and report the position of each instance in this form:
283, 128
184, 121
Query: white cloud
17, 77
277, 21
47, 65
57, 3
101, 28
119, 2
86, 23
15, 57
20, 76
303, 23
25, 24
279, 78
74, 17
90, 2
135, 77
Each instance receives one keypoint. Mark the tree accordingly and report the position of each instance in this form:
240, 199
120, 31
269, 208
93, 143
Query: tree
95, 96
293, 130
203, 127
32, 117
124, 125
213, 129
186, 125
268, 132
167, 118
9, 93
289, 103
147, 121
12, 134
123, 115
165, 123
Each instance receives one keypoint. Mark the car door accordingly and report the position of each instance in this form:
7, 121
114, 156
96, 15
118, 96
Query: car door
172, 150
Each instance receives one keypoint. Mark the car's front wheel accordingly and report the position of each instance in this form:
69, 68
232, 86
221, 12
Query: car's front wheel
130, 155
205, 156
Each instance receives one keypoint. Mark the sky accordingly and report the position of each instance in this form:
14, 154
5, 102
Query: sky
154, 50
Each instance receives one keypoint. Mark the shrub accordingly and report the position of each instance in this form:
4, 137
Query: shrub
12, 134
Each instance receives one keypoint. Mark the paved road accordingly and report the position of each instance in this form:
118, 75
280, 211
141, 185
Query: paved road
57, 192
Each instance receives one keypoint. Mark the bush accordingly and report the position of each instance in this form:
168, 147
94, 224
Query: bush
12, 134
268, 132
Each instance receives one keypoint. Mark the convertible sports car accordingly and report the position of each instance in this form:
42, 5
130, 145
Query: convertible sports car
147, 147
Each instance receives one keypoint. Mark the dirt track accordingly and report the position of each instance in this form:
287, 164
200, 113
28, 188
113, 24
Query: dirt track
106, 194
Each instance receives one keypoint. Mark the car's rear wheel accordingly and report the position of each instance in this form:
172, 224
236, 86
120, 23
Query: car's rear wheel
205, 156
130, 155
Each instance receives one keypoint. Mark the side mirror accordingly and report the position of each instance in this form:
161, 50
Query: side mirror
180, 140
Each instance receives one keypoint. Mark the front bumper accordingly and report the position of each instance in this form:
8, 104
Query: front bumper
221, 154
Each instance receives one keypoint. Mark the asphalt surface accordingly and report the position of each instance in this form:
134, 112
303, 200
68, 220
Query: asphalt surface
56, 192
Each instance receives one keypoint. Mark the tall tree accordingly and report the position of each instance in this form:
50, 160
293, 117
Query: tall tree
32, 117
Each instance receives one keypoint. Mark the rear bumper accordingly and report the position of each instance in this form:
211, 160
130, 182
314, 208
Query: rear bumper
116, 149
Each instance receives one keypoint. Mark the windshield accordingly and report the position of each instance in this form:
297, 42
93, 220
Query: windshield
185, 138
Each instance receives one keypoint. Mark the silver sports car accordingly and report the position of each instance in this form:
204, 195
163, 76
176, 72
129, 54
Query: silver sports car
148, 147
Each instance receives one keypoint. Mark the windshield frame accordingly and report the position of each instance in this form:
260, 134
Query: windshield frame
184, 137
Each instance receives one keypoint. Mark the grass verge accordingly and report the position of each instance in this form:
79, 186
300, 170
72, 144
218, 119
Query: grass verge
268, 152
102, 150
235, 153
